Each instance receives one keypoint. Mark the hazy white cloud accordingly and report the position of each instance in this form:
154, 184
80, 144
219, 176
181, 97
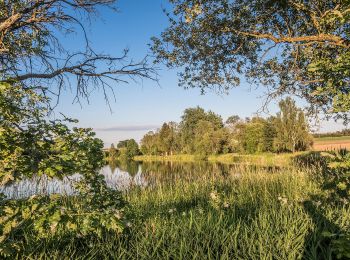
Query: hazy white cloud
129, 128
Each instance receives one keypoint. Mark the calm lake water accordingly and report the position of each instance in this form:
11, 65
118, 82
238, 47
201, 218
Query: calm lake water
124, 176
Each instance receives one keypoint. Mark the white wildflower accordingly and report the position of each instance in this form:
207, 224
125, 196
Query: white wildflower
214, 195
283, 200
118, 215
172, 210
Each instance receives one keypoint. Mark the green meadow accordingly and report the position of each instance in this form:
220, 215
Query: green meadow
246, 213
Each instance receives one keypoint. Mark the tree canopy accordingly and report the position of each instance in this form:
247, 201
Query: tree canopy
192, 120
295, 47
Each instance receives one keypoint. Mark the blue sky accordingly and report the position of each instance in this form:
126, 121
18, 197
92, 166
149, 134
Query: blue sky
143, 106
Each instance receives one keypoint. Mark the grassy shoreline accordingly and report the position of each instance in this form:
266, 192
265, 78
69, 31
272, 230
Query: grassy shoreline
265, 159
255, 216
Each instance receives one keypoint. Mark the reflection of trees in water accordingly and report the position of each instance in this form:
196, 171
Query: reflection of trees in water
117, 179
113, 164
129, 166
124, 174
118, 175
170, 172
40, 185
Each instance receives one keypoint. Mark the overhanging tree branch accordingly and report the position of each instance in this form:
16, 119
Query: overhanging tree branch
32, 55
299, 40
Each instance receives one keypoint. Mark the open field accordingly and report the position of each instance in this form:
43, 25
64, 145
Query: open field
331, 143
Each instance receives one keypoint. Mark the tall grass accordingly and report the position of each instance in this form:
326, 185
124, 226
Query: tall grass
248, 214
263, 159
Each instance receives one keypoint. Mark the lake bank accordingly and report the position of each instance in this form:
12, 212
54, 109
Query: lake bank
266, 159
197, 212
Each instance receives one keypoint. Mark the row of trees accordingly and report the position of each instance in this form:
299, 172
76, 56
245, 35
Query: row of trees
204, 133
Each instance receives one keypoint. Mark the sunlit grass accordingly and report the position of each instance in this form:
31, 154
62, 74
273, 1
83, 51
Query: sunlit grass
247, 214
264, 159
175, 157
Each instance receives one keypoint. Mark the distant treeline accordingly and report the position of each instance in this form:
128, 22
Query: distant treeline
344, 132
205, 133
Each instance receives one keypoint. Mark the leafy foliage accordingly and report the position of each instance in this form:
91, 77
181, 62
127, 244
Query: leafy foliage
337, 178
255, 136
199, 132
299, 47
193, 120
31, 145
331, 171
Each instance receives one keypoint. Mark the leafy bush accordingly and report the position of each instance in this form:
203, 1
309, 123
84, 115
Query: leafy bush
32, 145
332, 171
338, 182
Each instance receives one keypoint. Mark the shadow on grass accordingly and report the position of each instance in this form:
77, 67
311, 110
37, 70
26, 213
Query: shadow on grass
199, 206
319, 244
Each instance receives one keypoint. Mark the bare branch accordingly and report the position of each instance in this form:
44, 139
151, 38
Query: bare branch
30, 52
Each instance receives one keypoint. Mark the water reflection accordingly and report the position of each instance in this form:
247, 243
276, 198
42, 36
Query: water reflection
124, 175
39, 185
